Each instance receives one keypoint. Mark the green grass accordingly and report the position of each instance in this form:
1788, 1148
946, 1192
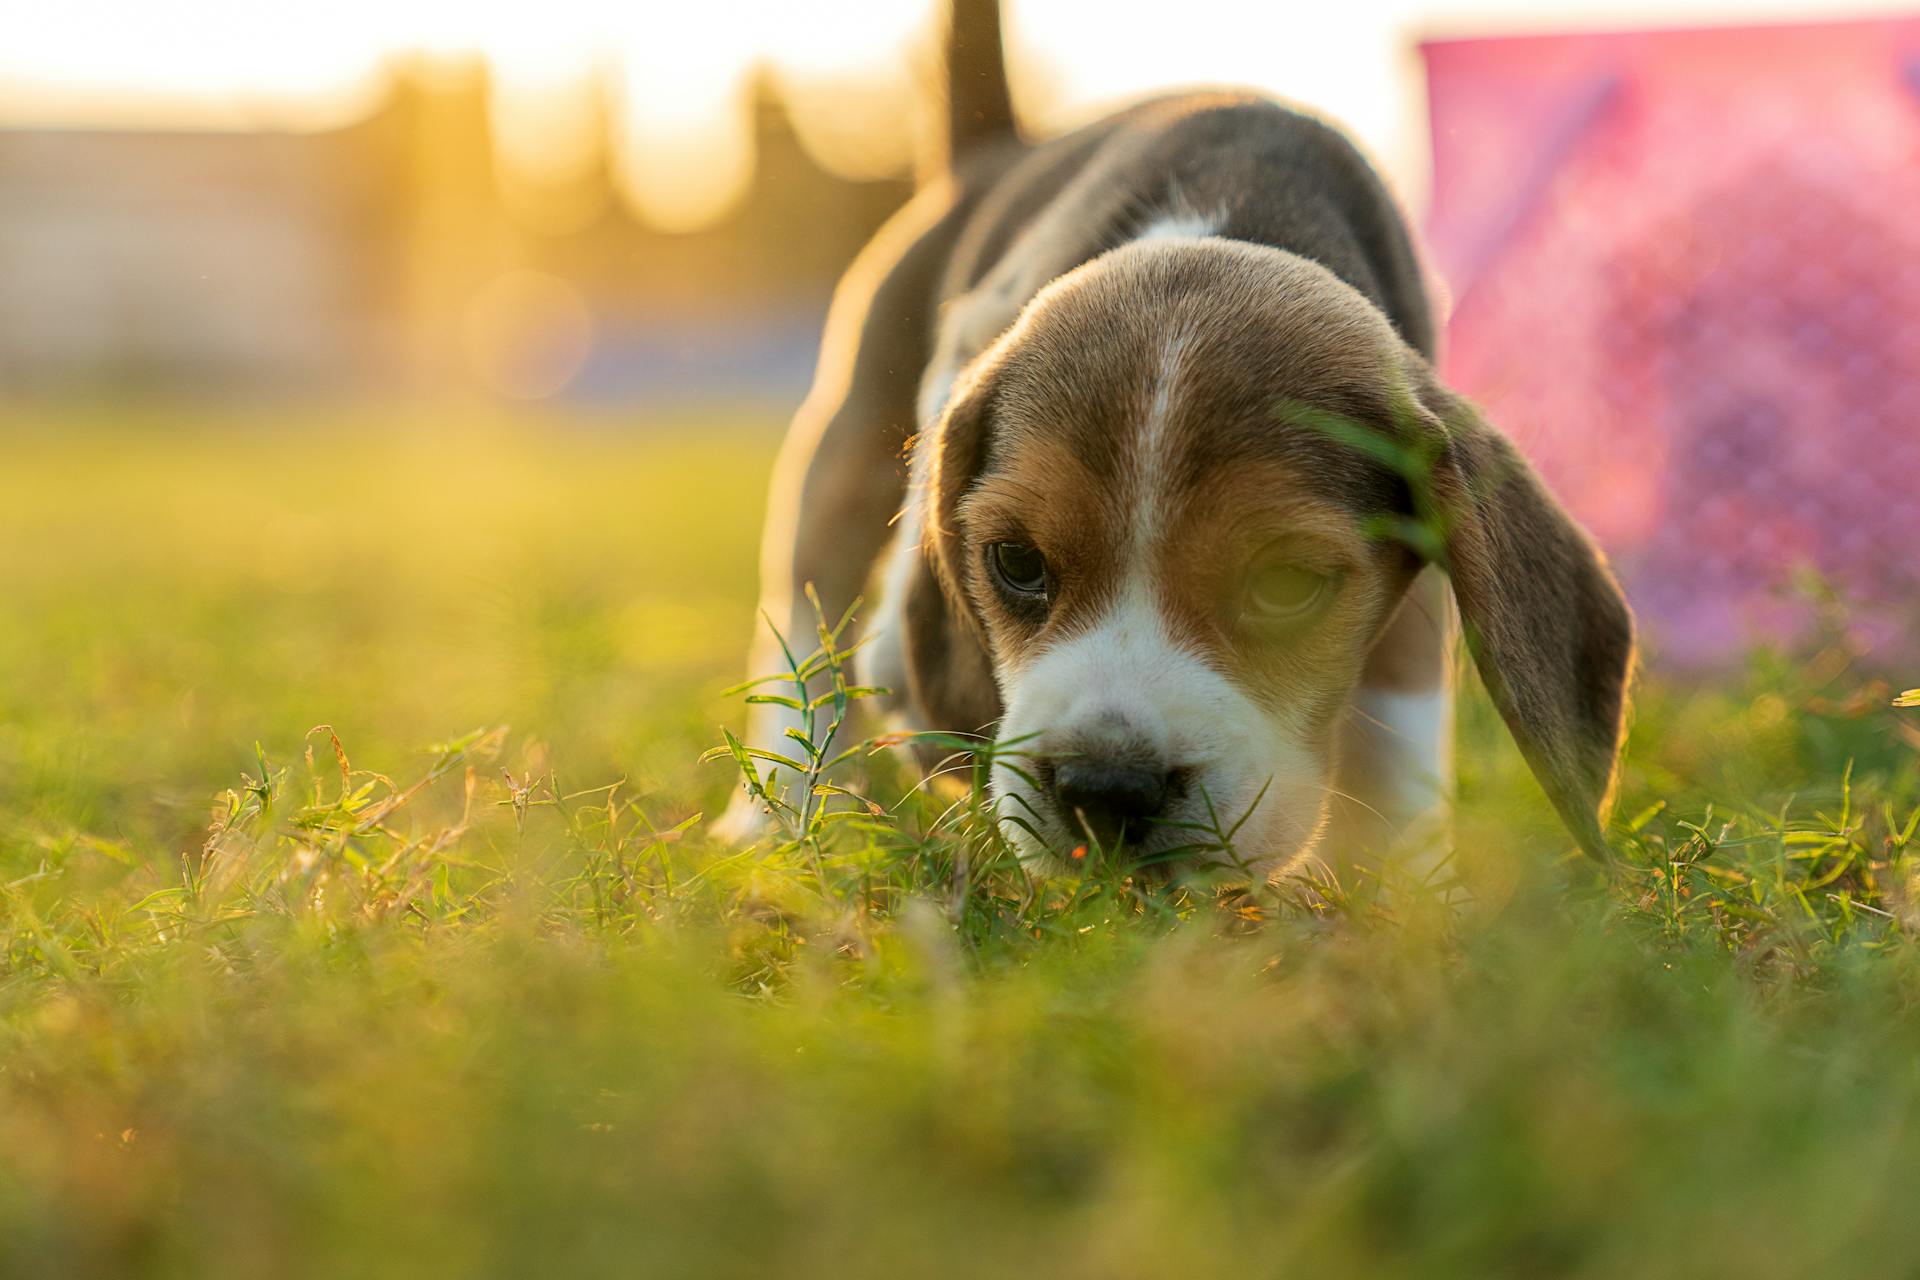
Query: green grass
492, 1007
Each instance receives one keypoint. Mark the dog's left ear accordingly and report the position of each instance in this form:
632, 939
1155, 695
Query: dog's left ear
1544, 619
949, 670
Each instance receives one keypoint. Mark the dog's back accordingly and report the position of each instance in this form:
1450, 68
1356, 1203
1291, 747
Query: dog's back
1224, 164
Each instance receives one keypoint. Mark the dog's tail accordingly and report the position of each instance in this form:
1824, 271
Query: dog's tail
979, 103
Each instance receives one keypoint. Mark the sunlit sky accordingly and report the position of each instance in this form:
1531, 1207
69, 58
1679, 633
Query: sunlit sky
227, 63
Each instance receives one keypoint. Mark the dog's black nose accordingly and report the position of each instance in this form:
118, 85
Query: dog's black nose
1109, 797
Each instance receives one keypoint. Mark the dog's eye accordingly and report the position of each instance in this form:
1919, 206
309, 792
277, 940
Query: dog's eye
1021, 567
1277, 590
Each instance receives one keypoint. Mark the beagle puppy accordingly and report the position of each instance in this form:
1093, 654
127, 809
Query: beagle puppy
1137, 434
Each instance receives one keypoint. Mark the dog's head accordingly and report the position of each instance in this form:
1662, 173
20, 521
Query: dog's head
1166, 515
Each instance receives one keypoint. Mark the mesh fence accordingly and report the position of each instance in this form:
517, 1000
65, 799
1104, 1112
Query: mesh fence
1685, 277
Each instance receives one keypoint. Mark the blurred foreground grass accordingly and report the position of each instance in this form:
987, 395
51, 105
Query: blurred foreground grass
493, 1008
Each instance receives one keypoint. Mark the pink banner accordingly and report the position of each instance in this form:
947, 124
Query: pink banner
1684, 270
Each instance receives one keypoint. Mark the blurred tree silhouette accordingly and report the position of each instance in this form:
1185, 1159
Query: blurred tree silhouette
356, 257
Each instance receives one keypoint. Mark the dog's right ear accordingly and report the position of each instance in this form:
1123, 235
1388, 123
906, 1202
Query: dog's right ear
1547, 624
949, 671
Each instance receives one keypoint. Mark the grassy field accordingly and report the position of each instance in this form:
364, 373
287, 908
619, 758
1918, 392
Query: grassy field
451, 988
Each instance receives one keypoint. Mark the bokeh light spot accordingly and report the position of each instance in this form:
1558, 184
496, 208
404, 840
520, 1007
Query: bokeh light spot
527, 334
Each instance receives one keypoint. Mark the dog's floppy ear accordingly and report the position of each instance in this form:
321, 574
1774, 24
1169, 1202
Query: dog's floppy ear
1547, 625
949, 670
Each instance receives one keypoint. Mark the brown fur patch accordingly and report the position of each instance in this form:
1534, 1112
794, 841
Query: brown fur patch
1240, 515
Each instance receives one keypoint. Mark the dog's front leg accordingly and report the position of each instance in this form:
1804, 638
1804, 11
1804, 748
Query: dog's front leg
827, 520
1394, 787
841, 475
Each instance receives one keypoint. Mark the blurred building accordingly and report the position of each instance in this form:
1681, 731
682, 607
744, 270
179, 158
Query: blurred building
384, 255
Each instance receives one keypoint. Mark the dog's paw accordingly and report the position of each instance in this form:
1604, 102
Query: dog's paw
745, 821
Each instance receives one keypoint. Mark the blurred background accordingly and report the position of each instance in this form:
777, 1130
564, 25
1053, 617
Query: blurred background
1676, 241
